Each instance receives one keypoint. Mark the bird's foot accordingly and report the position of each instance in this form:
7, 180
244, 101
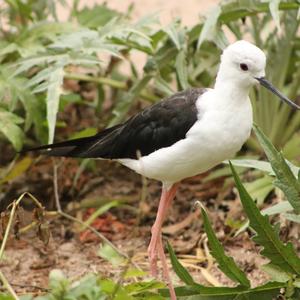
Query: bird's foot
156, 250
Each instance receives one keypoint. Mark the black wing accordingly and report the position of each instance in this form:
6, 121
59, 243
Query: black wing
157, 126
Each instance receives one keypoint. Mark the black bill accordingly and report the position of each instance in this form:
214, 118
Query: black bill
268, 85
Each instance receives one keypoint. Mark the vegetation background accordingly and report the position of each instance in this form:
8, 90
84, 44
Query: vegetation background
71, 75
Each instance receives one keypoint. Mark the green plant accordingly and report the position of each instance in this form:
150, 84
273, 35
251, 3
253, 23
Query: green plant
284, 263
36, 57
94, 287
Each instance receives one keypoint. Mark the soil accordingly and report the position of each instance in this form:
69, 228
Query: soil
28, 260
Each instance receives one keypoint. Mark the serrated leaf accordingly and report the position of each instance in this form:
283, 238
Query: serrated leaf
179, 269
281, 255
286, 180
197, 292
226, 263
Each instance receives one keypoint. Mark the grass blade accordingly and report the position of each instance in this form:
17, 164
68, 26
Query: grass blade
281, 255
226, 263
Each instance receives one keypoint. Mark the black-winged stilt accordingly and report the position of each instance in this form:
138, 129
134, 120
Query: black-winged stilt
183, 135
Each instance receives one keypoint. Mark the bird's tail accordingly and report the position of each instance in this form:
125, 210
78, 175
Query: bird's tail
96, 146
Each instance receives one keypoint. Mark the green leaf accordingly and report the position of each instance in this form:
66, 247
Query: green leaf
144, 286
226, 263
292, 217
211, 31
172, 31
96, 16
110, 254
84, 133
128, 99
98, 212
6, 297
134, 272
260, 188
197, 292
181, 69
286, 180
111, 288
9, 127
278, 208
18, 169
261, 165
276, 273
179, 269
281, 255
53, 93
274, 10
87, 288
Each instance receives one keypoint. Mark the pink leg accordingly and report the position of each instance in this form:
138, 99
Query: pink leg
155, 248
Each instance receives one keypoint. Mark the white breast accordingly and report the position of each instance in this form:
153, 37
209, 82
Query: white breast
218, 134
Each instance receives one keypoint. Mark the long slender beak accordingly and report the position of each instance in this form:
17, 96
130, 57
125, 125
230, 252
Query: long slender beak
268, 85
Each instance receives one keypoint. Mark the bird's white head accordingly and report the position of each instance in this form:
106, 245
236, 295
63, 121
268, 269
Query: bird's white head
241, 63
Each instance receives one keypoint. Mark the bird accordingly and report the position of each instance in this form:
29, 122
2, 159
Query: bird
183, 135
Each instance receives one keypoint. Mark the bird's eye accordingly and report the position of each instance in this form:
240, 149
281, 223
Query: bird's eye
244, 67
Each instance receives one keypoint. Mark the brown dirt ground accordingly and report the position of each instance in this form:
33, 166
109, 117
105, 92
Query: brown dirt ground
28, 261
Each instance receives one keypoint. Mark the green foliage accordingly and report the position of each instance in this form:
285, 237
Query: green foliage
110, 254
197, 291
180, 270
284, 263
94, 287
283, 256
286, 174
286, 180
40, 52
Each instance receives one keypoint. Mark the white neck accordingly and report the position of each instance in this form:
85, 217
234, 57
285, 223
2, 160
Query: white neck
231, 90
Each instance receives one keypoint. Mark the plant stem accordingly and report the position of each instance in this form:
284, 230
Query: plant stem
110, 82
11, 217
262, 8
100, 80
8, 286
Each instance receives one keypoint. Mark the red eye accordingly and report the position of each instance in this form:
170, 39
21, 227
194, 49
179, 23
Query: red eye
244, 67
